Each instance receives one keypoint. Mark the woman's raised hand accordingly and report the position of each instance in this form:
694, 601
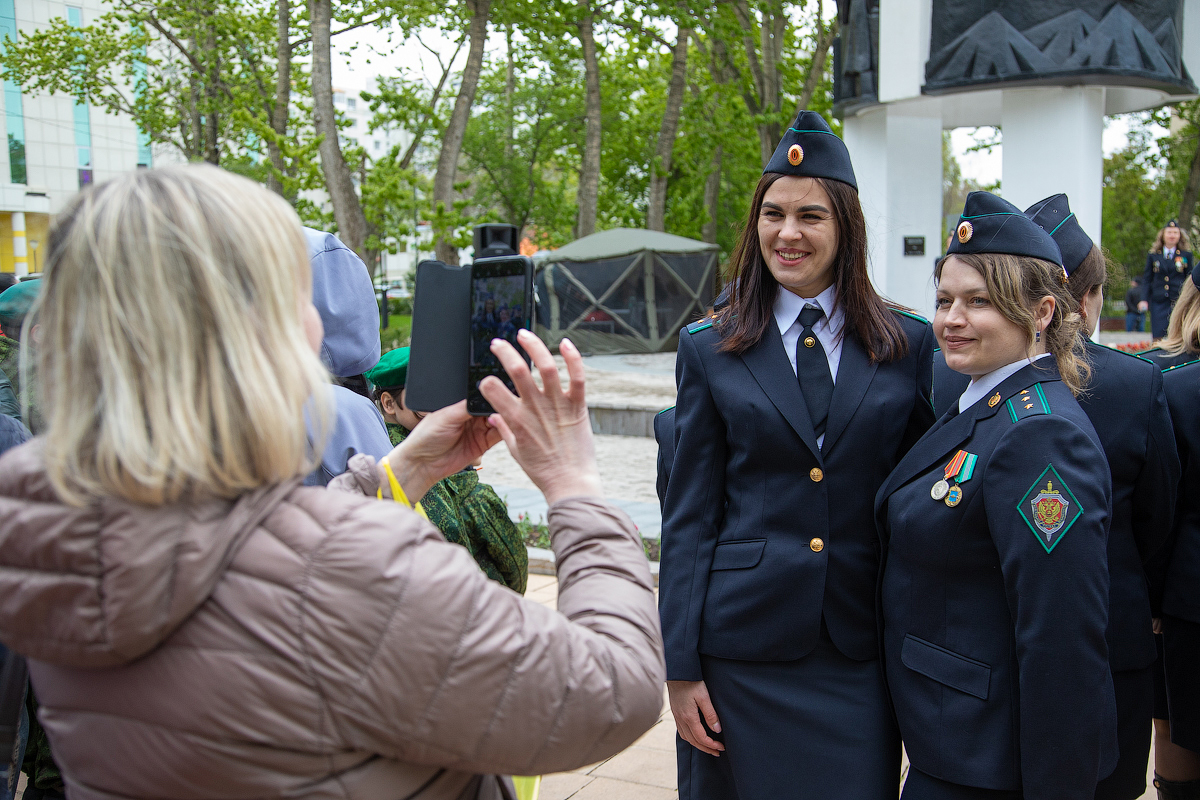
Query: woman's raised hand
445, 442
547, 430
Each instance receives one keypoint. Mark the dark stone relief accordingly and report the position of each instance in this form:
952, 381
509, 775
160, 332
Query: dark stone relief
1056, 42
856, 56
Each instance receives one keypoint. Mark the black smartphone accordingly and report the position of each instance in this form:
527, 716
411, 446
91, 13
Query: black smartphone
440, 337
501, 304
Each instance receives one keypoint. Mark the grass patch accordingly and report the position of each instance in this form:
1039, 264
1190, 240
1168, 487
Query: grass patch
537, 534
397, 333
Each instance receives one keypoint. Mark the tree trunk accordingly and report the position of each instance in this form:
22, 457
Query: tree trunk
1191, 192
347, 210
283, 89
660, 169
712, 194
816, 70
447, 165
588, 196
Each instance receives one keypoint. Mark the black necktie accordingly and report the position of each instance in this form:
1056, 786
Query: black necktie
812, 369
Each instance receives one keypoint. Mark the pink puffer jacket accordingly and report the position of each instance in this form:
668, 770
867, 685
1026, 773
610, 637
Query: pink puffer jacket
305, 642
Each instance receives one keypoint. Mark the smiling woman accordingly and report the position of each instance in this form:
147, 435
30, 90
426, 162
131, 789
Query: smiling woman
795, 400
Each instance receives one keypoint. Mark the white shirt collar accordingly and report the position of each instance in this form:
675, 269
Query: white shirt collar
788, 306
979, 388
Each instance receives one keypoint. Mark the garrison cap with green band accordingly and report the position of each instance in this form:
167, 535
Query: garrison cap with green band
809, 149
1055, 217
16, 300
991, 224
392, 370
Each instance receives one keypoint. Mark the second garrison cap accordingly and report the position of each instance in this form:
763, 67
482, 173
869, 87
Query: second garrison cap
1055, 217
16, 300
809, 149
991, 224
392, 369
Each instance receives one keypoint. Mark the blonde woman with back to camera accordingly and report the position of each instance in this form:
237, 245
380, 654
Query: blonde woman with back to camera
200, 625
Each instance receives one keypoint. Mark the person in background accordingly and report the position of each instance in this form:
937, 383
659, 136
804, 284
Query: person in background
1182, 342
1126, 405
1168, 265
204, 626
1135, 318
14, 675
345, 299
466, 511
994, 589
15, 305
1177, 732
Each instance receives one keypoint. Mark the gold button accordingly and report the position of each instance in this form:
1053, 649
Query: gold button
809, 341
817, 545
816, 474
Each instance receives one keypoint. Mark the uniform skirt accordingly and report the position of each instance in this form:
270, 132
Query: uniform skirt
1181, 659
817, 727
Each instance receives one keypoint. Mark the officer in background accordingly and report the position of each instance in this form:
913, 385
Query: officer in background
1126, 405
1135, 319
1168, 265
466, 511
994, 590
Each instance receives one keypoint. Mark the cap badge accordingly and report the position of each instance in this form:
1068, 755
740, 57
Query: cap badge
795, 155
965, 232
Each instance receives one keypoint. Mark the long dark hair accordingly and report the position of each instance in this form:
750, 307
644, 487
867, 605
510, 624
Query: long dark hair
752, 287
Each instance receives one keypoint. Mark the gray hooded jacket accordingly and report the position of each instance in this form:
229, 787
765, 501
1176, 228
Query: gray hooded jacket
345, 299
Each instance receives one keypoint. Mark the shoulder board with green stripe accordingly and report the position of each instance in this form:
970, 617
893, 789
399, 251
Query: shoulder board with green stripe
1185, 364
911, 315
1137, 355
1149, 350
700, 325
665, 410
1029, 402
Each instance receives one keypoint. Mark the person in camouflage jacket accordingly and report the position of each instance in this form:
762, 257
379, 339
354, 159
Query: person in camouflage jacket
466, 511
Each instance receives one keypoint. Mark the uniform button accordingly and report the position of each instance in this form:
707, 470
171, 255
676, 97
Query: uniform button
816, 474
817, 545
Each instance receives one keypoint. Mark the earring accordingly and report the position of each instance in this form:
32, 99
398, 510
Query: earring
1037, 337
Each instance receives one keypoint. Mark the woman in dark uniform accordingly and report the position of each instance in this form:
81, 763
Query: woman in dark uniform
995, 586
1126, 405
1168, 265
1182, 342
1177, 739
794, 403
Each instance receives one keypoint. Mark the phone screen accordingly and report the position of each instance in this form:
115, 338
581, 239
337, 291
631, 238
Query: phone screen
501, 294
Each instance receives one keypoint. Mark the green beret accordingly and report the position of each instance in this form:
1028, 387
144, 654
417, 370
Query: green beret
392, 369
17, 299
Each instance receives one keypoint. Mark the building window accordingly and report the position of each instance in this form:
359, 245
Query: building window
83, 125
339, 98
351, 103
376, 144
14, 115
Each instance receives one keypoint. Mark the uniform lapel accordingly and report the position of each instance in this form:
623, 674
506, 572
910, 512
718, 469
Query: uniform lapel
771, 368
946, 436
855, 372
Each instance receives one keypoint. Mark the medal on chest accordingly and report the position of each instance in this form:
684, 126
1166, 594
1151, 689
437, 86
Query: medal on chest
960, 470
1180, 264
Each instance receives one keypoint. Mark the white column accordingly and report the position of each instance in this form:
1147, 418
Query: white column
898, 164
20, 259
1051, 144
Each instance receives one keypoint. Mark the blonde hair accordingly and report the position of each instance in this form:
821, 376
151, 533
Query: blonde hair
1182, 244
1016, 284
1183, 330
172, 361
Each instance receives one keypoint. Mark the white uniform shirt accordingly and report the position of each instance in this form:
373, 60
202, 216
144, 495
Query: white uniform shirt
979, 387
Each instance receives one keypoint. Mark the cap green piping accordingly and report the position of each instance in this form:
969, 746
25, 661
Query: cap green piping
1064, 222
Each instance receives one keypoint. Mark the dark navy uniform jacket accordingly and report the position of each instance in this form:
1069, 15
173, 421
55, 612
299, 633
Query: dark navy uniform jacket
764, 534
948, 385
664, 434
995, 610
1164, 360
1127, 407
1181, 596
1165, 276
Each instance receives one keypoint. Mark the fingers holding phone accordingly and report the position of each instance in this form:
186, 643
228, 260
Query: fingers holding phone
547, 430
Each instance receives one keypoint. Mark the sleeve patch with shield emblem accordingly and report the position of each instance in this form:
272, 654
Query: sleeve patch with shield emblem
1050, 508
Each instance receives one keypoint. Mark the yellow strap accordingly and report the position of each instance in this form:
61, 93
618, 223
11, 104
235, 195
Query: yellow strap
398, 494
